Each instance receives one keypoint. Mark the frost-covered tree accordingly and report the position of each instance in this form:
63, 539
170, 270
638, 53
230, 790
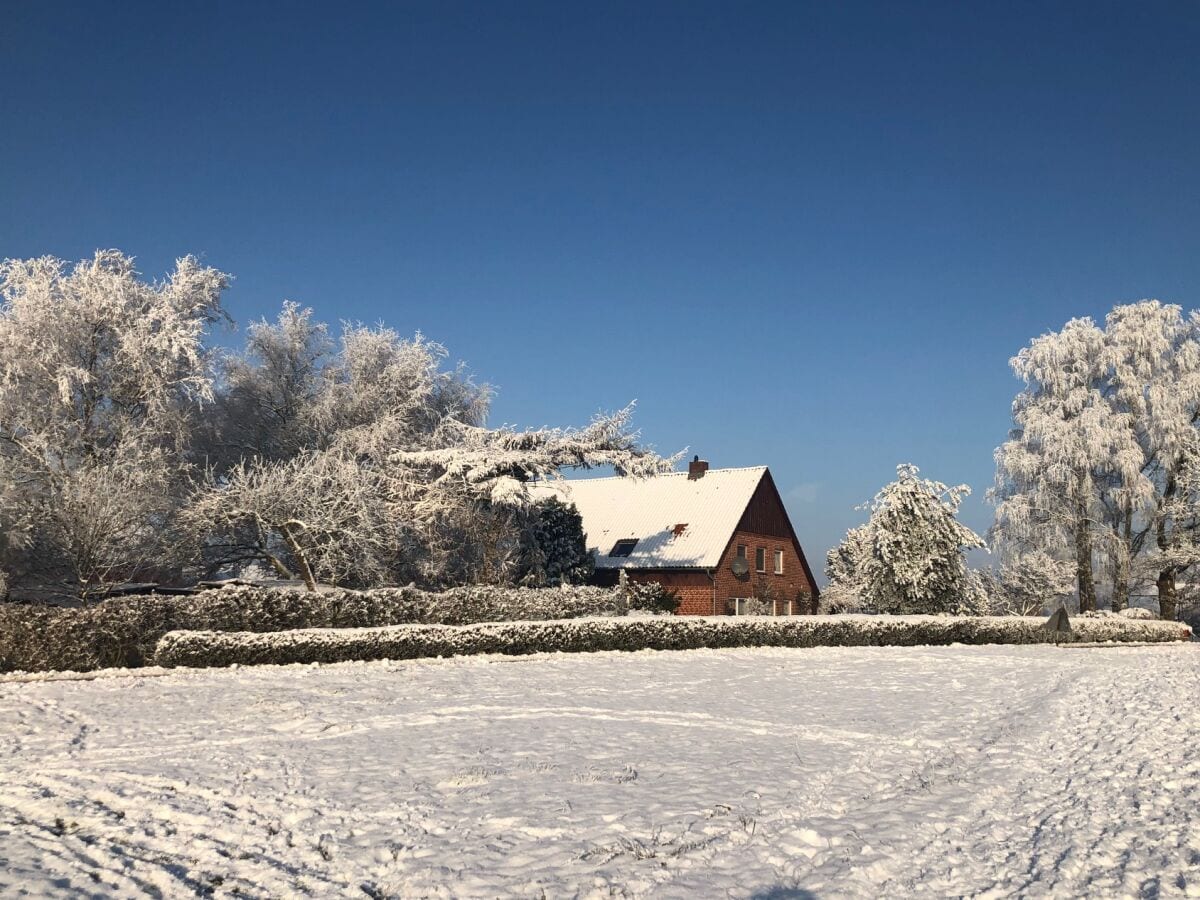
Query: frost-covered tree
843, 563
114, 519
1104, 442
1155, 375
1172, 536
320, 516
357, 460
499, 463
1069, 447
295, 388
1027, 585
400, 473
384, 393
840, 597
358, 514
101, 373
910, 555
16, 526
308, 424
269, 390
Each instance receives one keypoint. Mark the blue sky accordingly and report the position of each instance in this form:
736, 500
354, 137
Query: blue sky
805, 235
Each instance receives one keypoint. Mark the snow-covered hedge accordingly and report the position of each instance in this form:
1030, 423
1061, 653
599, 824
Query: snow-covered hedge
123, 631
183, 648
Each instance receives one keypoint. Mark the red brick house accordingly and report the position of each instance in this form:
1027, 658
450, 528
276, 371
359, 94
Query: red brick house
719, 538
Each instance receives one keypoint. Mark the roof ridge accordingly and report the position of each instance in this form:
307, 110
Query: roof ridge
648, 477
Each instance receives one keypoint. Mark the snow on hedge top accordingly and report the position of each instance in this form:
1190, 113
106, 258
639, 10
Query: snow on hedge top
649, 510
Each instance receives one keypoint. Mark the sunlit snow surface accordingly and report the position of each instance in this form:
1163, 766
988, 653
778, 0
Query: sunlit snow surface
746, 773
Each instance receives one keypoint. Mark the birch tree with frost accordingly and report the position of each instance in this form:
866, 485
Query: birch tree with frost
296, 388
1068, 445
359, 513
300, 478
1101, 464
1155, 359
269, 389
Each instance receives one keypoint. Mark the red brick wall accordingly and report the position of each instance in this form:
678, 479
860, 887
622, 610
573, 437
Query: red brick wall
781, 588
695, 589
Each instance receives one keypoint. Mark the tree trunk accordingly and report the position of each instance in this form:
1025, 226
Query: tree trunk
277, 564
1120, 596
1167, 596
1083, 560
305, 570
1121, 574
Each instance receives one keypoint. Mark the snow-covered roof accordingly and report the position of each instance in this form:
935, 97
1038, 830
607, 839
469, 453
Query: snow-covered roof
649, 510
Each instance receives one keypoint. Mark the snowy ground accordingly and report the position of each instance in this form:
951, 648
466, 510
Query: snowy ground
749, 773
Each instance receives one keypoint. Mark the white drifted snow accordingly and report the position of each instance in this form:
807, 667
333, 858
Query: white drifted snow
832, 772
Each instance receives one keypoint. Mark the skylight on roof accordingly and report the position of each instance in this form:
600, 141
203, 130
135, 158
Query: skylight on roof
623, 547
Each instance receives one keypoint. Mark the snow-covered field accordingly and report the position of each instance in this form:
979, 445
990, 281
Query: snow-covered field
1040, 770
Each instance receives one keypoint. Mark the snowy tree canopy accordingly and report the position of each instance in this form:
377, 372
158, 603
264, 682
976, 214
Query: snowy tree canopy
319, 512
272, 386
1099, 465
101, 375
910, 555
129, 450
295, 387
842, 562
398, 479
1027, 585
473, 480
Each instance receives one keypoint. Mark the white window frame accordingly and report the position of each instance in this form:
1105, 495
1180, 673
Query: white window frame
738, 605
760, 553
778, 562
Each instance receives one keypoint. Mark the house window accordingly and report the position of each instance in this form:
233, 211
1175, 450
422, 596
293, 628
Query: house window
623, 547
760, 560
778, 562
741, 551
740, 605
787, 607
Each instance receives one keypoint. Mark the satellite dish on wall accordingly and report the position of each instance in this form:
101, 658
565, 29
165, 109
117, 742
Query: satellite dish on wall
740, 566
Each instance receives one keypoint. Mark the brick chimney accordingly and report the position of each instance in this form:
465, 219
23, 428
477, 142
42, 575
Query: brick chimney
696, 468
